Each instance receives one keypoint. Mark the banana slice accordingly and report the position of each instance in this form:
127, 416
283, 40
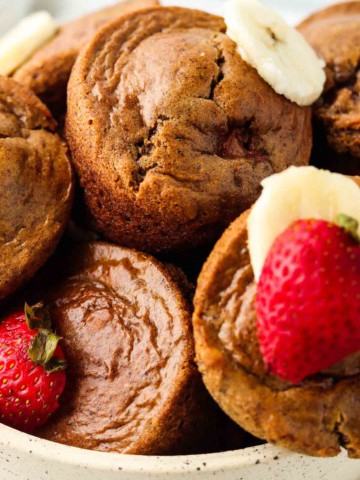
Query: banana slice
297, 193
28, 35
277, 51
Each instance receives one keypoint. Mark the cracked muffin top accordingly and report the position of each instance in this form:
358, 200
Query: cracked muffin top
47, 72
36, 185
126, 329
171, 131
316, 417
335, 35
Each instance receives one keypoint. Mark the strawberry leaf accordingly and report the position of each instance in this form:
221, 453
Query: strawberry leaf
55, 364
350, 225
37, 317
42, 347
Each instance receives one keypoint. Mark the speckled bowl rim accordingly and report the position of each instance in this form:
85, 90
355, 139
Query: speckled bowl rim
225, 461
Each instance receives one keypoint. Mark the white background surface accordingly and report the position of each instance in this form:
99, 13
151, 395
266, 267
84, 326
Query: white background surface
293, 10
12, 10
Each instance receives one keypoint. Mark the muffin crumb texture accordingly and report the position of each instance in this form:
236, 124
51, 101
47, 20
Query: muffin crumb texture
170, 148
37, 185
335, 35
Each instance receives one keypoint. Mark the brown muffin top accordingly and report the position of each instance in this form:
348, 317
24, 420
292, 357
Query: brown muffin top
171, 131
132, 385
335, 35
47, 71
37, 184
316, 417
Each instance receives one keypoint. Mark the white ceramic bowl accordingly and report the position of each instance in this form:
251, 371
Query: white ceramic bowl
23, 457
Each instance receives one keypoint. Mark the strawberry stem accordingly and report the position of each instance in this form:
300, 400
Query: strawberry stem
350, 225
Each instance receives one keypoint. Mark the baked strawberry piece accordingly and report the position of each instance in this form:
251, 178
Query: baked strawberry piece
32, 365
277, 315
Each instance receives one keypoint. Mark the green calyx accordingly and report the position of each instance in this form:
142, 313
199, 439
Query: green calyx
42, 349
350, 225
37, 316
43, 345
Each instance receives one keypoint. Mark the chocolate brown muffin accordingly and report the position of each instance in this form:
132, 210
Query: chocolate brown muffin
36, 185
316, 417
171, 131
47, 71
132, 385
335, 35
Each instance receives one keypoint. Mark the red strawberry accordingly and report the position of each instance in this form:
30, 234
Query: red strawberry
308, 299
32, 373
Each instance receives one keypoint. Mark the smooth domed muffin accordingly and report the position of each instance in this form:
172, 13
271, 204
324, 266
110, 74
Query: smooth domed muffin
132, 385
171, 131
36, 185
47, 71
335, 35
318, 416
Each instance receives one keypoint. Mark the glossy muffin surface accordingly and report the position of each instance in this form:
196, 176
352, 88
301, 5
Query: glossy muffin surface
132, 386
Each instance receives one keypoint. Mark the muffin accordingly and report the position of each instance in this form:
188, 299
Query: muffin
317, 416
47, 71
132, 385
335, 35
171, 131
37, 185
